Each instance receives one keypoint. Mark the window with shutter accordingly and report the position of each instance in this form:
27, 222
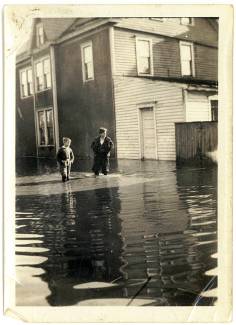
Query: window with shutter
45, 127
26, 82
144, 56
43, 74
87, 61
186, 55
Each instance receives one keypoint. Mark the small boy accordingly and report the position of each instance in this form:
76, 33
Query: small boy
65, 158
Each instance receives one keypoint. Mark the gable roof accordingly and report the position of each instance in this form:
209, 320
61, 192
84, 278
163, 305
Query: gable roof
24, 48
53, 29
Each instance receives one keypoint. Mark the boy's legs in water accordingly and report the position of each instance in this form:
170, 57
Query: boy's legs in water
68, 168
63, 172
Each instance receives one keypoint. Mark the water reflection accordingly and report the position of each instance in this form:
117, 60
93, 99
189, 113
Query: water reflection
154, 237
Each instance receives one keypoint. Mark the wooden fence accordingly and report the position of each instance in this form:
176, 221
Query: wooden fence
194, 140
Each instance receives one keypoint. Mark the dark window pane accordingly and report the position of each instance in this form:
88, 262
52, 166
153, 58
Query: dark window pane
49, 116
23, 90
42, 128
50, 136
214, 110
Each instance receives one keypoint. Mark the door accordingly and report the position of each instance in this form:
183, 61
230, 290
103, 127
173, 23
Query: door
148, 134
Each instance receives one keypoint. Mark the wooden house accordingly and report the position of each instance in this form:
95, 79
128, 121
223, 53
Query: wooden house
135, 76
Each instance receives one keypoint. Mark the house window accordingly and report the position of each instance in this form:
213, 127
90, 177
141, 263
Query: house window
186, 21
39, 35
144, 56
45, 128
43, 74
187, 62
87, 61
214, 110
26, 82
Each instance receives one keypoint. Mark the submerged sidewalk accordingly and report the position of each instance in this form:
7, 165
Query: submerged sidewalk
79, 181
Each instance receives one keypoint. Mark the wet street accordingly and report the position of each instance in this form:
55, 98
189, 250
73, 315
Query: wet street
145, 235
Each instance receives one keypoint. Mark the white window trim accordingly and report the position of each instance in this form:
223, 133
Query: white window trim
191, 24
151, 56
35, 73
82, 46
20, 72
38, 25
38, 134
192, 54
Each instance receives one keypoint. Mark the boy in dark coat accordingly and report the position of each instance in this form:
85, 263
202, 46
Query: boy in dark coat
101, 146
65, 158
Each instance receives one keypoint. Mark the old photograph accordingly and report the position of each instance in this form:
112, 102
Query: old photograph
116, 162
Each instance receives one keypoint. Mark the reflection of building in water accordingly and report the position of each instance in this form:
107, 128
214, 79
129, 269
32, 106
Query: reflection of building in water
85, 245
159, 243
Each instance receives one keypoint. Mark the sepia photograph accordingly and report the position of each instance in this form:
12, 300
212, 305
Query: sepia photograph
116, 161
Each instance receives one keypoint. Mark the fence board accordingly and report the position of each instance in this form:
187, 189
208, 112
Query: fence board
194, 140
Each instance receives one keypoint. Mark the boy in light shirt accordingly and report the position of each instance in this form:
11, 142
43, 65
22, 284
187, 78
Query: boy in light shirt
65, 158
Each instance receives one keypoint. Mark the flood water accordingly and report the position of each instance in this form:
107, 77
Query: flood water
145, 235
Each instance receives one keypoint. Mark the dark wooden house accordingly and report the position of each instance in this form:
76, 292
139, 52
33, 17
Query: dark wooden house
135, 76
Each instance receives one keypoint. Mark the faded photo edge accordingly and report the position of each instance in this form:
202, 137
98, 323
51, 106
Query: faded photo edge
219, 313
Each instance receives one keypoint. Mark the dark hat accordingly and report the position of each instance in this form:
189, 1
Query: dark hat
102, 130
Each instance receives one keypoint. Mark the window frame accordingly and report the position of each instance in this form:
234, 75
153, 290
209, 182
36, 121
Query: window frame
190, 24
210, 99
38, 26
82, 47
44, 110
26, 69
137, 39
42, 59
191, 45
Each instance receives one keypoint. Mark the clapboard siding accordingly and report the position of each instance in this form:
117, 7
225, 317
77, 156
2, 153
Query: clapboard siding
125, 53
133, 93
201, 31
206, 62
197, 107
166, 56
